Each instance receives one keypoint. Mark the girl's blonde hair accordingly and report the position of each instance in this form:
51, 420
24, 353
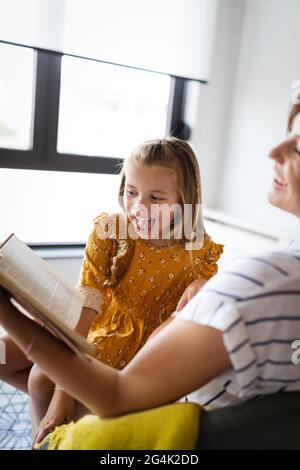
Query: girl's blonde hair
175, 154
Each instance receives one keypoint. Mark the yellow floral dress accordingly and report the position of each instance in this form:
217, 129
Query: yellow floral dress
135, 287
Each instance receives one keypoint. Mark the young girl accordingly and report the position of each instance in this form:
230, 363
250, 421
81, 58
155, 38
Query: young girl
133, 284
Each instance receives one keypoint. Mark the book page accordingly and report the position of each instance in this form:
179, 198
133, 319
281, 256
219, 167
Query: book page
23, 268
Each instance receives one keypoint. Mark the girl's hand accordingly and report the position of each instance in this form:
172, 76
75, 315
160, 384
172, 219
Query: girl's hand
60, 411
189, 293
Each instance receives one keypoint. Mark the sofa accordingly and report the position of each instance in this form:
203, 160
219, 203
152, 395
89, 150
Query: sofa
271, 422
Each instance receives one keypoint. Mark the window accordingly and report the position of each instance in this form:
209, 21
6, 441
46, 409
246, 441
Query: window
54, 206
16, 96
65, 124
107, 109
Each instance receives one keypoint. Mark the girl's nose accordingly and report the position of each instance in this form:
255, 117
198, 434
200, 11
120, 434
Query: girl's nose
140, 203
139, 210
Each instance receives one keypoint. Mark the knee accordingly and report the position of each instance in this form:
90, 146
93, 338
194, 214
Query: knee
39, 385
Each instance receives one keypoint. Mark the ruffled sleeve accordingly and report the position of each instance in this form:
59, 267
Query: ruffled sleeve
205, 259
95, 265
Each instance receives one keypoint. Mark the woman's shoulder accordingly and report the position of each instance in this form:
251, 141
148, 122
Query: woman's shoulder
270, 265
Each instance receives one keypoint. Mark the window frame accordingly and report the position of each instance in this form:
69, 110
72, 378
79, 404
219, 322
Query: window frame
43, 155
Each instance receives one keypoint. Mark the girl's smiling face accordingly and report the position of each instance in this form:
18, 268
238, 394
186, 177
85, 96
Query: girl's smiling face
149, 193
285, 193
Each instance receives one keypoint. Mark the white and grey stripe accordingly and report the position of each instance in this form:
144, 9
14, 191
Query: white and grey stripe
256, 304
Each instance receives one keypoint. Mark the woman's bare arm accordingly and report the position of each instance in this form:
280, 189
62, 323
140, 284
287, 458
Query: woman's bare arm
179, 359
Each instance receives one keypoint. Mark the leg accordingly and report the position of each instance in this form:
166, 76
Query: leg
80, 411
17, 367
41, 390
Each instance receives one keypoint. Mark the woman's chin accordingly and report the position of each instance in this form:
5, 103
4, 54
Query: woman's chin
278, 201
274, 198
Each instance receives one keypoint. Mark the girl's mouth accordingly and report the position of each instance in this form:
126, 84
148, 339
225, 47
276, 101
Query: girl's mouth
143, 224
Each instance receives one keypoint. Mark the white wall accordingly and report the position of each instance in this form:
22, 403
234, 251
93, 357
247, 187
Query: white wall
69, 268
211, 106
267, 65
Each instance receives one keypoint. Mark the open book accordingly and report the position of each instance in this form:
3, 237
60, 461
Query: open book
45, 295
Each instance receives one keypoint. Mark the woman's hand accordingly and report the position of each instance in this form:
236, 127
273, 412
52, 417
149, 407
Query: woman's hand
60, 411
189, 293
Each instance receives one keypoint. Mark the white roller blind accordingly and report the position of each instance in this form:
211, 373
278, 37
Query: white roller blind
169, 36
36, 23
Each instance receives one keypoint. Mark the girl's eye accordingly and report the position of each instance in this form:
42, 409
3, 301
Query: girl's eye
156, 198
130, 193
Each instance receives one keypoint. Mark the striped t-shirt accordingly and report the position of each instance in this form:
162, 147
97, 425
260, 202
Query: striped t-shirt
256, 303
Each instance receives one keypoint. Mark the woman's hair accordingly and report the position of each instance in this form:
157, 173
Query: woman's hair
175, 154
295, 109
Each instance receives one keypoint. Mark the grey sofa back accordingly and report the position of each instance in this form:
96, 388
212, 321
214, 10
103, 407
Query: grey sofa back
271, 422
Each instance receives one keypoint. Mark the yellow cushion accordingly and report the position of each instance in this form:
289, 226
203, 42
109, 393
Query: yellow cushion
174, 426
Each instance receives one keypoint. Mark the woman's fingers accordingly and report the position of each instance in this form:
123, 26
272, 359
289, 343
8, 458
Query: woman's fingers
190, 293
182, 302
186, 297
